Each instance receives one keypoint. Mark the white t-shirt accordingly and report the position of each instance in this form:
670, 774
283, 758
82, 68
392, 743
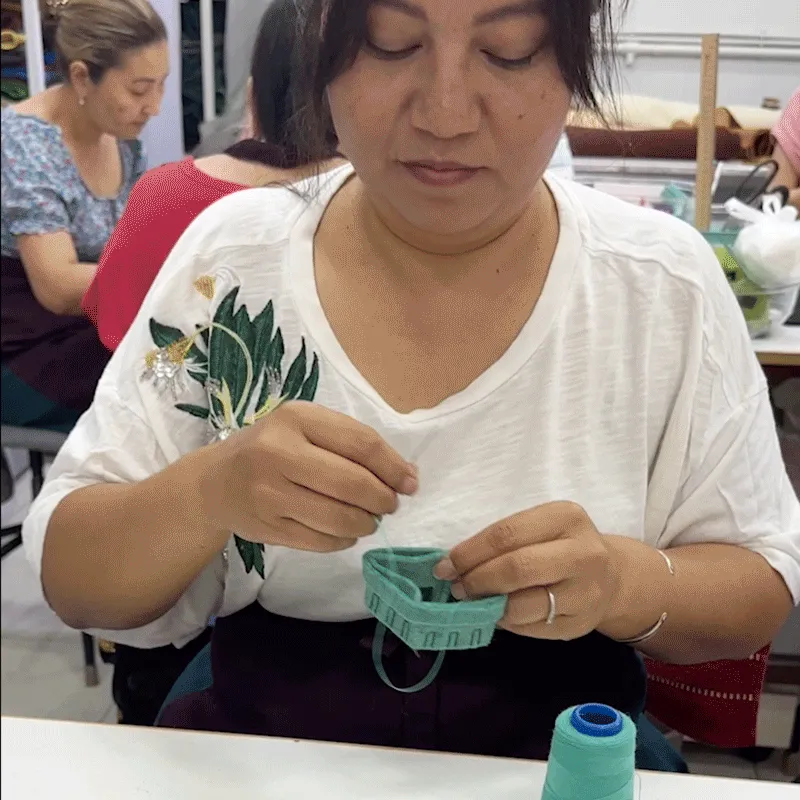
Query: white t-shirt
561, 164
632, 390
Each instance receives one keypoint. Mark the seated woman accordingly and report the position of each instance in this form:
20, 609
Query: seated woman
70, 156
162, 203
169, 197
554, 388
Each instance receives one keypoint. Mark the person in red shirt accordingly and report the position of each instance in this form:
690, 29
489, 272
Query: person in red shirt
166, 199
162, 204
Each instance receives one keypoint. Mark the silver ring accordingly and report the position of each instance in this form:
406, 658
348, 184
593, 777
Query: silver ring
551, 607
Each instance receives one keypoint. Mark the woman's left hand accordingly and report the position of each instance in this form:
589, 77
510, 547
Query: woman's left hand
551, 555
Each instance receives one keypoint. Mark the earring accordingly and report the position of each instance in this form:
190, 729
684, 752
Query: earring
81, 101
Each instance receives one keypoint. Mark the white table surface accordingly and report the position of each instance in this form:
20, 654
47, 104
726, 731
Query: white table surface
78, 761
785, 340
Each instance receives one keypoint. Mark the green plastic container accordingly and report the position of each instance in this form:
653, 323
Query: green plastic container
753, 300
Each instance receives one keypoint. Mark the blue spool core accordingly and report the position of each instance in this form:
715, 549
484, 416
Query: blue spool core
596, 719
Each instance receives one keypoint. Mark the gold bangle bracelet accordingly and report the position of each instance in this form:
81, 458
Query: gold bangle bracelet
650, 632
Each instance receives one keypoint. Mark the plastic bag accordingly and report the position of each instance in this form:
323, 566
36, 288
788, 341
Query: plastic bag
768, 247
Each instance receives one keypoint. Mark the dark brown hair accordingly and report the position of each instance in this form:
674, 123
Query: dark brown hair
273, 69
334, 31
101, 32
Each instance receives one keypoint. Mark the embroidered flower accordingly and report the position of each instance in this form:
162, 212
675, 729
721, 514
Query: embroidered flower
178, 350
238, 359
221, 414
205, 284
274, 396
165, 370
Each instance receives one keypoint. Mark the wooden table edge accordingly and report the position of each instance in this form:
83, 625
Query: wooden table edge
768, 359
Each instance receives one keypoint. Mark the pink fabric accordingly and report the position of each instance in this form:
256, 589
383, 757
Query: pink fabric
787, 131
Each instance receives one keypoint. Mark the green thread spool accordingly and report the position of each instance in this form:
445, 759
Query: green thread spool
592, 756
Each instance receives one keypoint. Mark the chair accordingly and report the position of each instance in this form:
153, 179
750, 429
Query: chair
41, 444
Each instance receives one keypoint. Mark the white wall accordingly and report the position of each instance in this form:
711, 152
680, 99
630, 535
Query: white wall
771, 18
771, 28
163, 136
741, 81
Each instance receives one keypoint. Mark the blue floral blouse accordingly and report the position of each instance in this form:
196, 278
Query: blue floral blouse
42, 191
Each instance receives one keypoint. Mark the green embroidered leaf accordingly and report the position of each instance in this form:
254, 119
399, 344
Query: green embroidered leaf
164, 335
216, 406
259, 560
310, 386
262, 337
195, 411
252, 555
274, 359
244, 328
199, 371
226, 359
276, 352
245, 549
219, 341
296, 375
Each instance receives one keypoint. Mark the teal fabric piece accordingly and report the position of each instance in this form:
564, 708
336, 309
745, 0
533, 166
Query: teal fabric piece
654, 752
197, 677
377, 660
406, 598
403, 594
23, 406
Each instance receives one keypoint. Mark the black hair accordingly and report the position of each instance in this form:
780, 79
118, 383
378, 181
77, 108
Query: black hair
334, 31
272, 70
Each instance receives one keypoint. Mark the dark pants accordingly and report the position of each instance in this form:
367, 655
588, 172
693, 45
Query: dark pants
25, 407
143, 678
291, 678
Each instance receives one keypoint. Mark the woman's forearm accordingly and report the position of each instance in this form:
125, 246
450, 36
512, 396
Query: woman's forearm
118, 556
57, 278
75, 284
63, 292
785, 174
722, 602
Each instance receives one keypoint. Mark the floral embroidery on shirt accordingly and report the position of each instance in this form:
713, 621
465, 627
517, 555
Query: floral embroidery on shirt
239, 360
206, 285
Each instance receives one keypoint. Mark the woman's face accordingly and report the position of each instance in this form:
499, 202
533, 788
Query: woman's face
127, 96
452, 110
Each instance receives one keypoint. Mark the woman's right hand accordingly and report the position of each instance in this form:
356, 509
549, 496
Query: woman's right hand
304, 477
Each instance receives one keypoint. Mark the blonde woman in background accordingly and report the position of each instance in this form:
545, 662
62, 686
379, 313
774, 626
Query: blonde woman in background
70, 156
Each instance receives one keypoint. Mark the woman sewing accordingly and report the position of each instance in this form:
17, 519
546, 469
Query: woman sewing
443, 345
70, 156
